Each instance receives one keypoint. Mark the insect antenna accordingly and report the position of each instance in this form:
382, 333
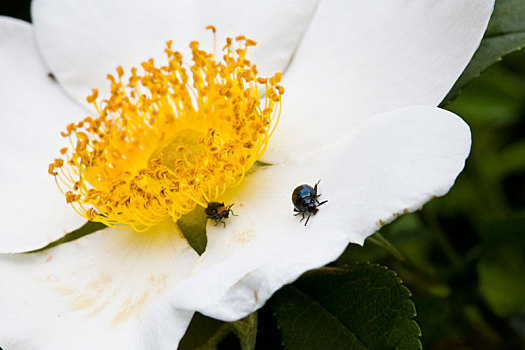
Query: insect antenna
230, 210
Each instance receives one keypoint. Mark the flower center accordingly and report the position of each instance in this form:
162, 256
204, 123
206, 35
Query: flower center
181, 149
168, 140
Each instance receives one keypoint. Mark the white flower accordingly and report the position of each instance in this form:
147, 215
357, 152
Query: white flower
359, 113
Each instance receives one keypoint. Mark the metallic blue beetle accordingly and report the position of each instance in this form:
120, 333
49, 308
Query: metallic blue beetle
305, 201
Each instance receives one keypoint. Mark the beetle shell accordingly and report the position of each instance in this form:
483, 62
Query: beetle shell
304, 198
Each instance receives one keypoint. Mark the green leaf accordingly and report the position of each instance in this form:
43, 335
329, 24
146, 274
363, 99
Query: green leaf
507, 18
193, 227
364, 307
501, 267
257, 166
205, 333
505, 34
260, 163
88, 228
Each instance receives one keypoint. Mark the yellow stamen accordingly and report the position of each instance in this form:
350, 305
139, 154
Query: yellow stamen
168, 140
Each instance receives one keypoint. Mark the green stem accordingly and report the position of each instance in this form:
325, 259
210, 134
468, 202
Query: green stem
246, 331
485, 334
216, 338
378, 239
441, 237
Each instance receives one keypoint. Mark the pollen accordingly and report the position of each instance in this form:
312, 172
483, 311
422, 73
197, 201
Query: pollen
169, 137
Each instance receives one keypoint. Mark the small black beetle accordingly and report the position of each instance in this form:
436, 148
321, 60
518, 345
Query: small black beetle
218, 211
305, 201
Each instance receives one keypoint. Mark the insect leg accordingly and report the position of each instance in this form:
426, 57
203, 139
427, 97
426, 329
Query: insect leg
320, 203
309, 214
315, 187
303, 216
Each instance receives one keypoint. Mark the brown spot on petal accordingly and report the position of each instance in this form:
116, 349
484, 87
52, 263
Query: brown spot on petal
101, 283
82, 303
405, 211
131, 307
160, 282
65, 291
50, 278
97, 310
239, 281
244, 237
255, 296
49, 258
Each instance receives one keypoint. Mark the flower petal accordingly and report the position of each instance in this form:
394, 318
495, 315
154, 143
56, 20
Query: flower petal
101, 292
34, 111
360, 58
85, 40
395, 163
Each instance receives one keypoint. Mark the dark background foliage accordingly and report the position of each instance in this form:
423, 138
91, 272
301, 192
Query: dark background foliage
463, 255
